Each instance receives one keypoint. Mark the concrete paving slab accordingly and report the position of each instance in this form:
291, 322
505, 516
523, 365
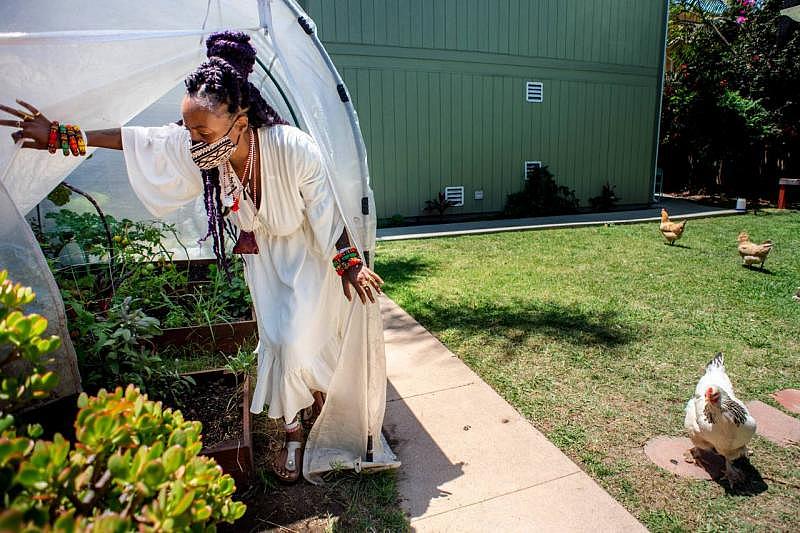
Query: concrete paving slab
780, 428
572, 503
420, 363
466, 452
789, 399
462, 446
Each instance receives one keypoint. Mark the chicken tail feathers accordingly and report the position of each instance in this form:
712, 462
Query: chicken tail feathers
717, 362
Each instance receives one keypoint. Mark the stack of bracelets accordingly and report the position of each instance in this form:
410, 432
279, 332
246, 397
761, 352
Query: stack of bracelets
67, 137
346, 258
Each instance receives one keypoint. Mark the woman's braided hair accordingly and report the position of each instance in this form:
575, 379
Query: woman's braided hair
222, 79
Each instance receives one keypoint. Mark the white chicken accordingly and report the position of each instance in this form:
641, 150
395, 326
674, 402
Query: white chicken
717, 421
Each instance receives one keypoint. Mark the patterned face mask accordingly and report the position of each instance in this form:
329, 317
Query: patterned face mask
211, 155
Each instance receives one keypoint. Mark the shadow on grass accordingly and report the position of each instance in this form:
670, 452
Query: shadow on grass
678, 246
714, 464
397, 271
761, 270
517, 321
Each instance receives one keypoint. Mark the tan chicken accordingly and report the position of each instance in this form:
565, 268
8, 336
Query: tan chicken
751, 252
717, 420
671, 231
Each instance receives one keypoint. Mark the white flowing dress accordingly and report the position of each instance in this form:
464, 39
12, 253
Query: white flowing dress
292, 282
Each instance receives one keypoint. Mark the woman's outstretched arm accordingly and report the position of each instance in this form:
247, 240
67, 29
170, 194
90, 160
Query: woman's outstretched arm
34, 129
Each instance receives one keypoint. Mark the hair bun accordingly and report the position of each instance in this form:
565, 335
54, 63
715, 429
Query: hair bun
234, 47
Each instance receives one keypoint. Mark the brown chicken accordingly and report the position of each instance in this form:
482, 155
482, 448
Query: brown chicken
751, 252
671, 231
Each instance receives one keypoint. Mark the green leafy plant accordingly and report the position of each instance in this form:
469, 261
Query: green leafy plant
541, 196
439, 205
135, 466
242, 362
123, 353
22, 345
607, 199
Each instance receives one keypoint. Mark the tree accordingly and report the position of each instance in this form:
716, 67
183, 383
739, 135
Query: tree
730, 112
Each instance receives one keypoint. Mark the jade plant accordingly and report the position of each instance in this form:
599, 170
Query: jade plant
134, 465
22, 345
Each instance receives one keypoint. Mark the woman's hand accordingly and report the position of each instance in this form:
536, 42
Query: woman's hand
366, 282
30, 123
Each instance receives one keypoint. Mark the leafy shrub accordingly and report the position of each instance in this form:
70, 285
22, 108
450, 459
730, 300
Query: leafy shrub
541, 196
21, 346
123, 353
135, 465
438, 205
607, 199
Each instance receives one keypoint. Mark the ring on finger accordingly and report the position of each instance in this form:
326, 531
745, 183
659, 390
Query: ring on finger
26, 117
19, 124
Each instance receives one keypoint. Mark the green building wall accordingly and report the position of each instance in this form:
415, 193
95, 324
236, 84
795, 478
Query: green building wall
439, 87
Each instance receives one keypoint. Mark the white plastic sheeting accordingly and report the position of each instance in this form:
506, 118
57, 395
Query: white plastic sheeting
100, 63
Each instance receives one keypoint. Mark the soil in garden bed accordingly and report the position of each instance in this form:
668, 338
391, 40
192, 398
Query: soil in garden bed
218, 407
368, 502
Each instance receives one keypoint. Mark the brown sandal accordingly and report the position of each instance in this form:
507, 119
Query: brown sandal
292, 468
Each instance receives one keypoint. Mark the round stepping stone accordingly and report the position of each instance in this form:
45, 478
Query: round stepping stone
774, 425
789, 399
670, 454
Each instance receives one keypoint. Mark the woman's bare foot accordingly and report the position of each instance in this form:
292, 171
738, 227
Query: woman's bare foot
289, 463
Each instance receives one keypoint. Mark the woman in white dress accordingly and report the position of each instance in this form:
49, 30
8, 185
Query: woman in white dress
268, 179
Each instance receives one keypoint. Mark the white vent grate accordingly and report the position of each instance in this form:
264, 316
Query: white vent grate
455, 195
534, 91
529, 166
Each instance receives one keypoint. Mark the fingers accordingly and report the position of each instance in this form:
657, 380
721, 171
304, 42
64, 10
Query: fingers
35, 112
346, 288
12, 111
368, 291
376, 276
12, 123
361, 293
374, 283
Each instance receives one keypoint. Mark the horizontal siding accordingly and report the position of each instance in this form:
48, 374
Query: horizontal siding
474, 130
439, 89
622, 32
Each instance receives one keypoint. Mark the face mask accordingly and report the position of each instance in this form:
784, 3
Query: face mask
211, 155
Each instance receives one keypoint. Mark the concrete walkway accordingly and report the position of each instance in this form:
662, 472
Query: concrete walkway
677, 208
470, 461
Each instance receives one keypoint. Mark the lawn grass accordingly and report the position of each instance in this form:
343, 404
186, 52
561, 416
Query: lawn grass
598, 336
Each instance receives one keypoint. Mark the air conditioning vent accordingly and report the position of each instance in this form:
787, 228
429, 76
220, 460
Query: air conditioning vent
534, 92
455, 195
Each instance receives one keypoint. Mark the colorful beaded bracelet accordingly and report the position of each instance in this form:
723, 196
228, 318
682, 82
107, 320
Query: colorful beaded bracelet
81, 141
68, 137
346, 258
64, 138
52, 140
73, 142
342, 267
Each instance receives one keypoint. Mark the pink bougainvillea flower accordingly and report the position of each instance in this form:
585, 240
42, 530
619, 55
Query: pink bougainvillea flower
740, 19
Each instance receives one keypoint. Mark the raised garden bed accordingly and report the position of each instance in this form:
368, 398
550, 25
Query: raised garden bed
221, 402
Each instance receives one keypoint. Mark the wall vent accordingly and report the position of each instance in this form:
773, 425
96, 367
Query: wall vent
534, 92
455, 195
529, 166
